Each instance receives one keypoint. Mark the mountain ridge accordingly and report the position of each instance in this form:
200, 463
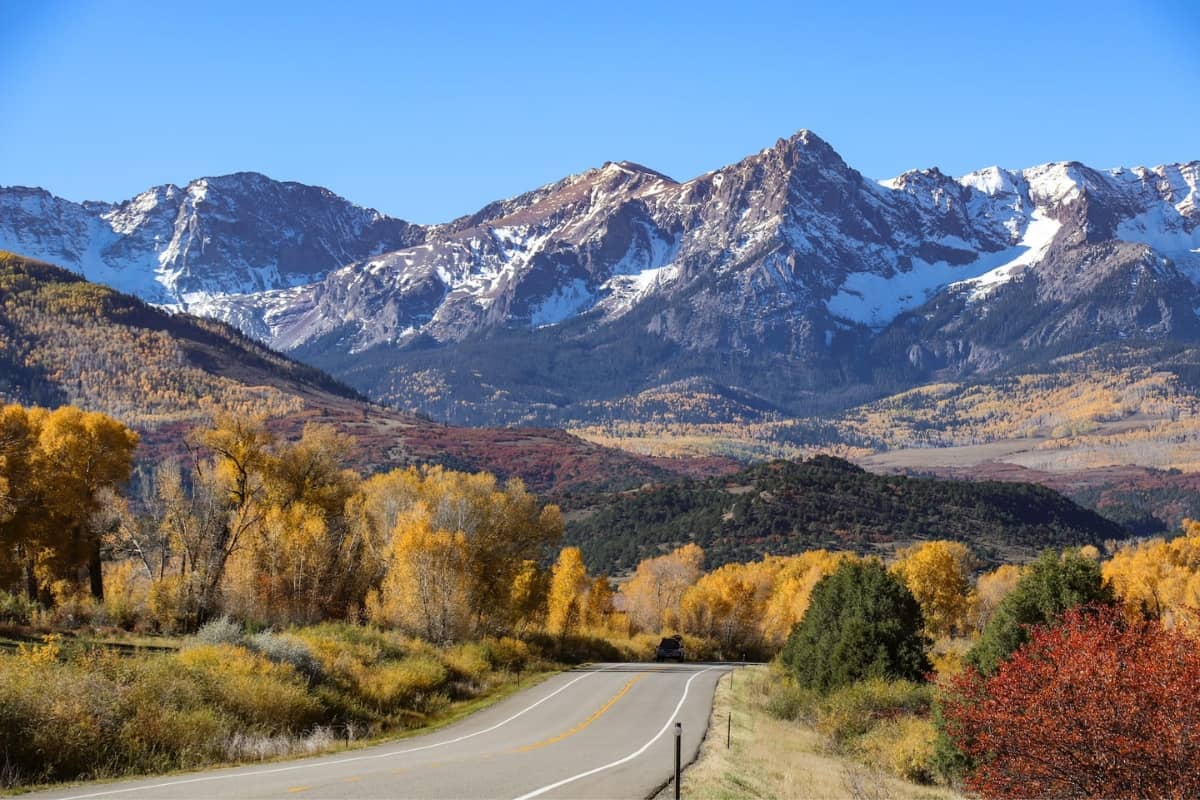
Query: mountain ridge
787, 275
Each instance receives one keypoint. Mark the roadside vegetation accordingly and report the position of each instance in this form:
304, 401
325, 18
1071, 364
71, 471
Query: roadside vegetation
68, 712
782, 747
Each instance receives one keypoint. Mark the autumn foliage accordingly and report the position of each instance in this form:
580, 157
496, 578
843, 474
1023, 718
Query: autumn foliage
1096, 706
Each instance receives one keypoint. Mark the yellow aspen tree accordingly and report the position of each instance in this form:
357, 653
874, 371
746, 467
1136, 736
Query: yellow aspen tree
990, 589
307, 481
598, 607
1157, 577
727, 604
280, 577
232, 494
425, 591
568, 581
372, 513
78, 454
794, 582
311, 471
938, 573
17, 437
501, 528
652, 596
529, 594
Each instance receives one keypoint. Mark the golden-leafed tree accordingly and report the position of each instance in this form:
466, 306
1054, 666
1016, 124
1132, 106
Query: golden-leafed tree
308, 489
17, 437
372, 513
794, 582
728, 604
529, 594
598, 607
990, 589
312, 471
501, 529
652, 596
1158, 578
938, 573
86, 453
283, 575
568, 588
426, 589
55, 468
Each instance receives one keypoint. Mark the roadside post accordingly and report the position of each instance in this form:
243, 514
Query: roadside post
728, 729
678, 751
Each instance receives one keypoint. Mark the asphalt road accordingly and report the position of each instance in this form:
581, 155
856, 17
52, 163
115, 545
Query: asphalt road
604, 731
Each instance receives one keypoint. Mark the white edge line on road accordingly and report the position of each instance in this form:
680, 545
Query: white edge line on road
389, 754
631, 756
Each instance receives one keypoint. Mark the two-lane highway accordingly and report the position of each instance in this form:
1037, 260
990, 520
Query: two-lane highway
604, 731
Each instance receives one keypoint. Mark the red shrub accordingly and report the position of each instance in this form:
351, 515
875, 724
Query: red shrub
1092, 707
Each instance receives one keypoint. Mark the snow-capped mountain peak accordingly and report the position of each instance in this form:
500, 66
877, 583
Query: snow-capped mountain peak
234, 233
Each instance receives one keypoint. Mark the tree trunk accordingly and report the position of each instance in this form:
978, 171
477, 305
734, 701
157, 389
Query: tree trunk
96, 571
31, 584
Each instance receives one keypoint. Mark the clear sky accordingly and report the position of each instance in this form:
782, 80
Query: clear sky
429, 110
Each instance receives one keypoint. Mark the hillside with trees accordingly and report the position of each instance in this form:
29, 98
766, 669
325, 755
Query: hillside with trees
64, 340
786, 507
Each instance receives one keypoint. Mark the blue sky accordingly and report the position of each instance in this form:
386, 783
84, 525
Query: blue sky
428, 111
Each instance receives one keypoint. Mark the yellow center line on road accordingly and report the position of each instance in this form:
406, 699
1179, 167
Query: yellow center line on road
294, 789
595, 716
353, 779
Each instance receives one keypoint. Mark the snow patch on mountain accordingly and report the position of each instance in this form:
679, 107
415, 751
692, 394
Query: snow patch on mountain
1039, 234
625, 291
567, 301
876, 300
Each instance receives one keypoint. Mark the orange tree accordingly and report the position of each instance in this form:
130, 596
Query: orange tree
1095, 706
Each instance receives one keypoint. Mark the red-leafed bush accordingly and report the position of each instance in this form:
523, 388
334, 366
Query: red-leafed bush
1094, 706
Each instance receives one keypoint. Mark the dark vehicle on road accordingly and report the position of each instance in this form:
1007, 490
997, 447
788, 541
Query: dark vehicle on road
671, 647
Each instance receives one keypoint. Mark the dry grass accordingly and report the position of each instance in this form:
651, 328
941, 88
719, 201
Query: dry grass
772, 758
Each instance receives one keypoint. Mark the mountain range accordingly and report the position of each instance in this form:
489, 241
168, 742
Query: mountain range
785, 285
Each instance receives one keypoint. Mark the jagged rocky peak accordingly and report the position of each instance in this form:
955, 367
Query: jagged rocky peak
219, 235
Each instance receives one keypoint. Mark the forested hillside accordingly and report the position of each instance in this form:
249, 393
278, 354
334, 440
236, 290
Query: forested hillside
786, 507
65, 340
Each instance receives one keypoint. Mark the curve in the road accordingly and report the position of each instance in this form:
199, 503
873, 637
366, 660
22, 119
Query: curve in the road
670, 719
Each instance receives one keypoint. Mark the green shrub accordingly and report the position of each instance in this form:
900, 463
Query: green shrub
862, 622
785, 700
17, 609
1051, 585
